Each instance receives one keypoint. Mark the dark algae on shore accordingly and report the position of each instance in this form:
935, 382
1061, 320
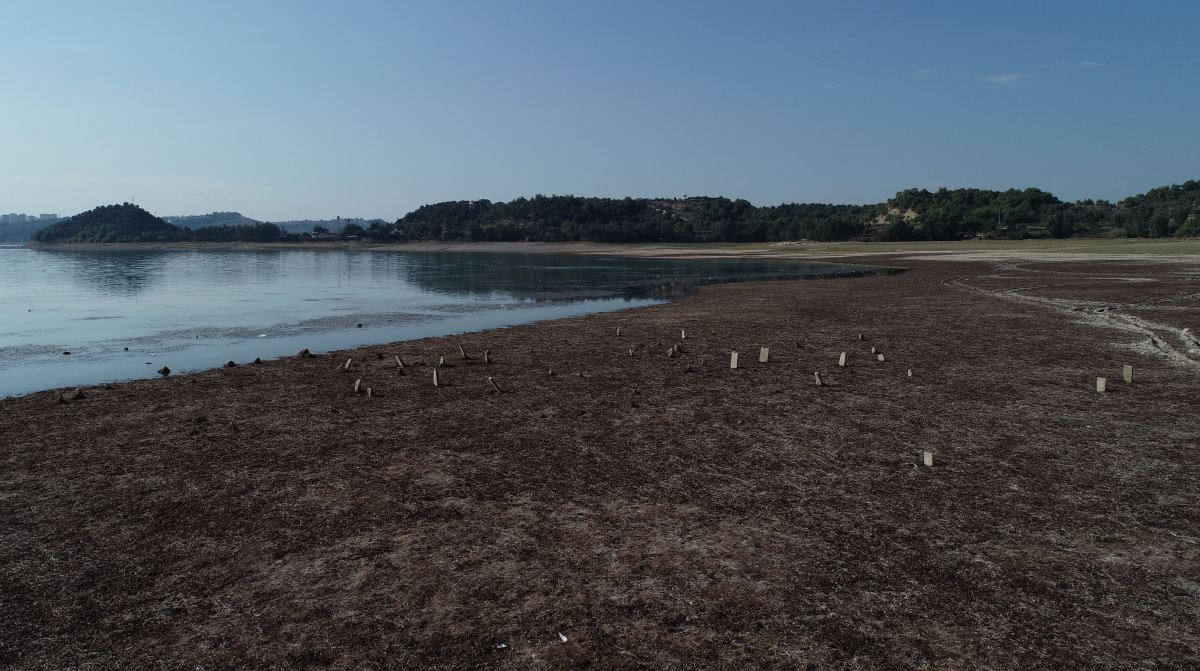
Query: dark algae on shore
644, 511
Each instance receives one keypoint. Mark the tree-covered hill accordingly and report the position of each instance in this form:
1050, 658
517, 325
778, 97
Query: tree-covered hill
569, 218
130, 223
111, 223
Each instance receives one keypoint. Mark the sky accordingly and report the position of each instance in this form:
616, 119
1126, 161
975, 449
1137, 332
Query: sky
296, 109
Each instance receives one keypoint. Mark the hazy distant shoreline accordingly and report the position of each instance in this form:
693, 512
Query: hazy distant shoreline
954, 249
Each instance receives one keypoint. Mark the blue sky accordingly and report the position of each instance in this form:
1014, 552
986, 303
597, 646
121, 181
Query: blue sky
298, 109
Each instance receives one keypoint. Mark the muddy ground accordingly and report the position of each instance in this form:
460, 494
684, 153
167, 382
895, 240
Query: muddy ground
644, 511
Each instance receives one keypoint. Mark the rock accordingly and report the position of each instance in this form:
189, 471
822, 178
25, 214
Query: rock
164, 371
358, 326
66, 354
257, 361
304, 354
230, 364
77, 395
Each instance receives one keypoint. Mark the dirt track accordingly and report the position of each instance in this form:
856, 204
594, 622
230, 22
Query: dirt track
656, 512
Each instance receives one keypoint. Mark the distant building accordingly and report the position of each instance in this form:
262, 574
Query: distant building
47, 216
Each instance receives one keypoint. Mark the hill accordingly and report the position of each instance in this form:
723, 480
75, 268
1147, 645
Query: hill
15, 234
130, 223
213, 219
112, 223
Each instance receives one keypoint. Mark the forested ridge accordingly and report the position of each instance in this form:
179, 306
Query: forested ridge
913, 214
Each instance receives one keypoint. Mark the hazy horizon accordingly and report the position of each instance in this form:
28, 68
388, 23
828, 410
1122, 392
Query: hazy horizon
304, 111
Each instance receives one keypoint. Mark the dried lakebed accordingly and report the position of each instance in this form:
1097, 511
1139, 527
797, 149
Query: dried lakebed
646, 511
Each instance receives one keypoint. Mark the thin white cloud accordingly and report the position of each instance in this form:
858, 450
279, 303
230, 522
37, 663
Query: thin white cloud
1068, 64
1008, 79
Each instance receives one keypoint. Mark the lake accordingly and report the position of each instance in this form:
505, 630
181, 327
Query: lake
124, 314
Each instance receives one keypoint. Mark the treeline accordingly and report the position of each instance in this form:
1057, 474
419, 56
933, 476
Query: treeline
952, 214
574, 218
914, 214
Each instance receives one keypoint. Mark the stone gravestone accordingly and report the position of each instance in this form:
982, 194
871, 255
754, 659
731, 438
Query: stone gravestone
842, 360
1101, 383
733, 360
764, 353
1127, 373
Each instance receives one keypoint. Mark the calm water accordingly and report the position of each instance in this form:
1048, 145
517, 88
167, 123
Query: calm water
193, 310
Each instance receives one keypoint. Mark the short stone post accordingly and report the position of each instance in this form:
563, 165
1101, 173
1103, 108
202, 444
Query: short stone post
733, 360
927, 458
1101, 384
1127, 374
842, 360
764, 353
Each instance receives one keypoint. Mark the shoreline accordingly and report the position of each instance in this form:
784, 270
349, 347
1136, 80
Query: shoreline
1070, 249
748, 516
659, 290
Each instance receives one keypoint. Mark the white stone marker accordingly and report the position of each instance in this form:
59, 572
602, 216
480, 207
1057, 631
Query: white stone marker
764, 353
873, 350
842, 360
879, 356
927, 458
399, 362
618, 331
733, 360
682, 334
357, 386
817, 378
435, 377
1127, 373
910, 372
349, 362
1101, 383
